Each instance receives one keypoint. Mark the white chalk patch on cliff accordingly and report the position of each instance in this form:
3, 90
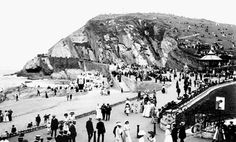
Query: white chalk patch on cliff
32, 64
60, 50
138, 57
148, 51
167, 45
47, 61
79, 36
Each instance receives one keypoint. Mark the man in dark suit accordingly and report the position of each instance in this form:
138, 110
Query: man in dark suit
108, 112
73, 132
38, 120
103, 109
90, 130
100, 130
174, 133
54, 126
182, 133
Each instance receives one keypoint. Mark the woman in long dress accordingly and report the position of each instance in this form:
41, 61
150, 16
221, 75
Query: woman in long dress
147, 110
98, 112
168, 137
119, 133
127, 132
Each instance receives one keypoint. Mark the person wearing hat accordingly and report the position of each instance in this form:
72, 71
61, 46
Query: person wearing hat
54, 126
118, 133
168, 137
72, 131
100, 130
89, 128
151, 137
59, 137
127, 132
231, 131
174, 133
182, 133
141, 135
65, 136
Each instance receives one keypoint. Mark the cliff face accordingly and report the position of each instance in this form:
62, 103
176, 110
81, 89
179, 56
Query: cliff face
144, 39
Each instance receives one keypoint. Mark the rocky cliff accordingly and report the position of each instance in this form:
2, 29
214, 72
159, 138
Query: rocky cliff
144, 39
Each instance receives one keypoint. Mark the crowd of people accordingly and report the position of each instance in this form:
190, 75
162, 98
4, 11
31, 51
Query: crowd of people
65, 131
6, 116
103, 111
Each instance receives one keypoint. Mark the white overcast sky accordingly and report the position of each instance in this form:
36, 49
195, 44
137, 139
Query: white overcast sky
29, 27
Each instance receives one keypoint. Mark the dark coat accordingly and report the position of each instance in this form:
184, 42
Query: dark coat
38, 119
65, 138
174, 133
59, 138
100, 127
54, 124
89, 127
182, 133
72, 130
108, 111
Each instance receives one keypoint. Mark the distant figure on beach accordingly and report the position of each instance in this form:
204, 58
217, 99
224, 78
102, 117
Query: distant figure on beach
38, 92
163, 90
38, 120
17, 97
71, 97
13, 130
46, 94
10, 112
6, 116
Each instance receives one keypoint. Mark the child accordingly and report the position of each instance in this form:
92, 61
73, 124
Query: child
127, 109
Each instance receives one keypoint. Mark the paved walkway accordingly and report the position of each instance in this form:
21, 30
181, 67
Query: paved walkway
116, 115
28, 109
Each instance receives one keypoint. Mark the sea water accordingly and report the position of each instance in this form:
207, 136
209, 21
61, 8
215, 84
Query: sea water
8, 81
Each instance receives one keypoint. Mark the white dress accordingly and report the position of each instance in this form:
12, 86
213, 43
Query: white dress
141, 139
168, 137
118, 137
147, 110
127, 133
99, 113
6, 117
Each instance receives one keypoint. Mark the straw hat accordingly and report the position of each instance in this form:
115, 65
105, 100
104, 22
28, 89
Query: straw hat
141, 133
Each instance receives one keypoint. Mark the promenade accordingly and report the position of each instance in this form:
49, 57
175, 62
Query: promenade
86, 103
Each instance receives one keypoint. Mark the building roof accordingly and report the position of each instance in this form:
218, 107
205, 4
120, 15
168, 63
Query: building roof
210, 57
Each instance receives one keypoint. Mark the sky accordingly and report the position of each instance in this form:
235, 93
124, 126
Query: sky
31, 27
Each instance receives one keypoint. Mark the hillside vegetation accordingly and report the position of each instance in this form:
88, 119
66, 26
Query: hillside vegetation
137, 38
